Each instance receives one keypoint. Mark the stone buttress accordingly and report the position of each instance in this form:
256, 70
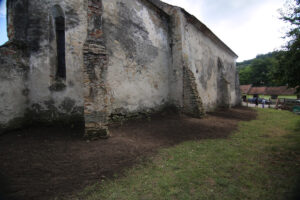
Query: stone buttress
96, 101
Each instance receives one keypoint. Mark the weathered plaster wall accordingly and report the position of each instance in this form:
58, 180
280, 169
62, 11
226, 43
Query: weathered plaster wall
52, 99
137, 39
13, 88
213, 67
17, 19
176, 68
123, 58
32, 22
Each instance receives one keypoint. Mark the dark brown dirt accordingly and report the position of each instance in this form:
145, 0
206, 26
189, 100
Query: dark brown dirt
42, 163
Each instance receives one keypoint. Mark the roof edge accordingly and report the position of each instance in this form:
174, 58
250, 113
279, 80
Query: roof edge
203, 28
197, 23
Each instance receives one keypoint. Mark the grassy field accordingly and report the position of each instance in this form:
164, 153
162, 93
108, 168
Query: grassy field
269, 97
259, 161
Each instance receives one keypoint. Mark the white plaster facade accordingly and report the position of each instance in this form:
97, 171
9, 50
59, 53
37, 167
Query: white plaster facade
122, 57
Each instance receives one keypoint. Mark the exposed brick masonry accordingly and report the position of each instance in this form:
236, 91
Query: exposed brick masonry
95, 68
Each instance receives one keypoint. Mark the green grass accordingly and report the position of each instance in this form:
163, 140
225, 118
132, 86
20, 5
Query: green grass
269, 97
259, 161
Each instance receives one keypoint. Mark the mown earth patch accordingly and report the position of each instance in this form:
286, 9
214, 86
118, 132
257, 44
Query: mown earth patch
259, 161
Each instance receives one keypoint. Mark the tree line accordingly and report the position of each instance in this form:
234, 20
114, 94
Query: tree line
262, 70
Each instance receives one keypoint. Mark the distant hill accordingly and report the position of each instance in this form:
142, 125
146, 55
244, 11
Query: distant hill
260, 71
246, 63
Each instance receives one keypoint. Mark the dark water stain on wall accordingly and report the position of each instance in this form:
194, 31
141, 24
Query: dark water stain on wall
206, 72
132, 35
20, 17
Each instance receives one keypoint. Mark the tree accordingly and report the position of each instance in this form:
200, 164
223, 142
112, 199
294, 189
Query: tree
245, 75
289, 61
260, 71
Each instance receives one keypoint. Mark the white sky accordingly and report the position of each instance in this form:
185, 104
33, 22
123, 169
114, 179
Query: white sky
2, 8
3, 34
248, 27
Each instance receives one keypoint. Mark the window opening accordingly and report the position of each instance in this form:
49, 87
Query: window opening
59, 22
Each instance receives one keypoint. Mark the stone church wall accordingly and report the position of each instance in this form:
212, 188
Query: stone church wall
51, 97
13, 86
212, 65
123, 58
48, 99
137, 39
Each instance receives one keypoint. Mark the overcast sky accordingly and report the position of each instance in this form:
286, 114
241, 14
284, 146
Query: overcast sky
248, 27
3, 34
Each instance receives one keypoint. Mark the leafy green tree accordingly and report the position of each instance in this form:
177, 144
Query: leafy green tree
245, 75
289, 62
260, 71
260, 68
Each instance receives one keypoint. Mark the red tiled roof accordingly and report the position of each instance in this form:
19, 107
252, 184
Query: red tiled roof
282, 90
245, 88
258, 90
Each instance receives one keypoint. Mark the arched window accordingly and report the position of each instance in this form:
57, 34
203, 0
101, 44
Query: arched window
59, 23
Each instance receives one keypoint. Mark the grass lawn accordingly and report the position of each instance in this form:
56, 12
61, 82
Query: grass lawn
259, 161
269, 97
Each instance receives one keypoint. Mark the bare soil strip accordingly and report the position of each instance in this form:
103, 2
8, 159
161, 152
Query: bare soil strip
44, 162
